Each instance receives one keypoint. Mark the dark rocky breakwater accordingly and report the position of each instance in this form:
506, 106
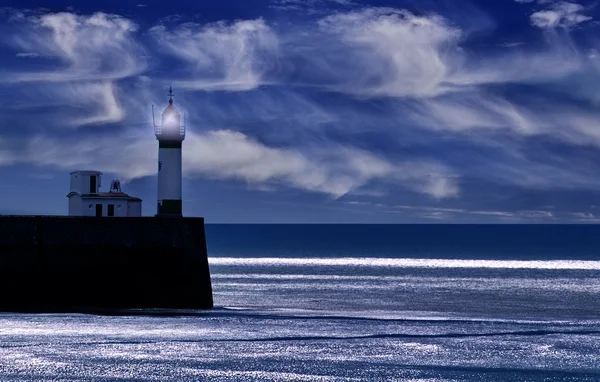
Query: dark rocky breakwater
100, 264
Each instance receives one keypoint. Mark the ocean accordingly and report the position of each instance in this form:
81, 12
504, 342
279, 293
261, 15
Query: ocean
348, 303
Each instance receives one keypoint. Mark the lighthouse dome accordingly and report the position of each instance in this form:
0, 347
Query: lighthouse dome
171, 128
171, 108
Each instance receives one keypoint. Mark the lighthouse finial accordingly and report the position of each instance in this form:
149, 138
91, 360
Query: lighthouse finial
170, 94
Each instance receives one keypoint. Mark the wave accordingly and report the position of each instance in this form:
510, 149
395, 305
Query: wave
592, 265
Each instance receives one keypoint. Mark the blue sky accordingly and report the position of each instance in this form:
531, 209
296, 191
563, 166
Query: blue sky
320, 111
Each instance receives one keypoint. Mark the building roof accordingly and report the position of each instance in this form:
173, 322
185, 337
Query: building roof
107, 195
87, 172
171, 109
114, 195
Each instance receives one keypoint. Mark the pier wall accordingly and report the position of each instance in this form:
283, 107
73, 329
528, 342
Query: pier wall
67, 263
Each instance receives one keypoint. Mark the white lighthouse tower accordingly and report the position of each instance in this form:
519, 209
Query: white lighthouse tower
170, 136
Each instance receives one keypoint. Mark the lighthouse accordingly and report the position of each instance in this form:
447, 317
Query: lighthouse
170, 135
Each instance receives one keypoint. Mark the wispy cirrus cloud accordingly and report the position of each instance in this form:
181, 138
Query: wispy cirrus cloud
380, 52
360, 100
311, 6
334, 172
96, 47
228, 50
392, 52
560, 14
460, 214
398, 54
103, 95
422, 63
87, 55
221, 56
557, 13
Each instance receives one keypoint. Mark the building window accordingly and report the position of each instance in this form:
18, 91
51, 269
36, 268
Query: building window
98, 209
111, 210
92, 184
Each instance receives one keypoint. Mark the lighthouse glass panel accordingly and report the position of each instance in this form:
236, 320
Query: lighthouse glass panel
171, 124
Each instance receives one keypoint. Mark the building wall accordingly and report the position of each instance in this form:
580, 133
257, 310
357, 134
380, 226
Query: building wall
80, 183
75, 206
79, 206
75, 183
135, 208
121, 206
72, 264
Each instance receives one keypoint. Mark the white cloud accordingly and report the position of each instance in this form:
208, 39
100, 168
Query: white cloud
133, 157
7, 156
103, 95
561, 14
310, 6
473, 111
417, 60
221, 56
440, 187
27, 55
382, 52
585, 217
441, 213
393, 52
390, 52
452, 214
333, 170
558, 59
226, 154
96, 47
90, 53
313, 2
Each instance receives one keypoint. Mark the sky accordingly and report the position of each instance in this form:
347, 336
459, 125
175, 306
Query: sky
310, 111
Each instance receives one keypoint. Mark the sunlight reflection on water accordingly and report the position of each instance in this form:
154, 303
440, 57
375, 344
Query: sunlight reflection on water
344, 319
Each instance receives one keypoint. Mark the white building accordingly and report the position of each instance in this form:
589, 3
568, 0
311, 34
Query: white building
85, 198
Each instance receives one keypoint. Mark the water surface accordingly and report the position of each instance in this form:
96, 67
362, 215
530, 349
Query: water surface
348, 303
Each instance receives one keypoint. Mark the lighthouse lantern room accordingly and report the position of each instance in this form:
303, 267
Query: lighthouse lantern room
170, 136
